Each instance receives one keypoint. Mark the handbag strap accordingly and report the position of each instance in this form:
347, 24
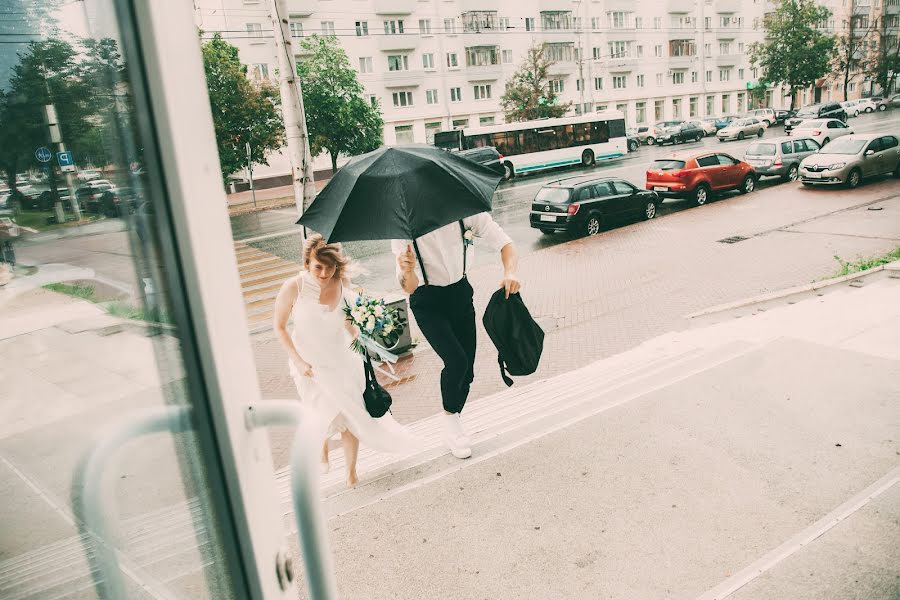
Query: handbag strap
421, 264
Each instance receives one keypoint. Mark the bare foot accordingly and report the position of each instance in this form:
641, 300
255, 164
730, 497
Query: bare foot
352, 480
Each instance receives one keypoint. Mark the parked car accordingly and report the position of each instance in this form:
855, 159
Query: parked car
46, 198
783, 114
582, 204
852, 159
487, 156
741, 128
895, 101
89, 175
709, 126
822, 130
632, 139
851, 107
90, 197
118, 202
647, 134
828, 110
689, 131
872, 104
26, 196
780, 157
725, 121
766, 115
697, 175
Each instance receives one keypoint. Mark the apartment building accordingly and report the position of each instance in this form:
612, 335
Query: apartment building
433, 65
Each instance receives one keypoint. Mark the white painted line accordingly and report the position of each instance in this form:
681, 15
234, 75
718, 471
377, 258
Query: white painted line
296, 231
65, 515
802, 539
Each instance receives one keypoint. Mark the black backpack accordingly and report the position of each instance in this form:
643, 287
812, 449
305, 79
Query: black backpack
519, 340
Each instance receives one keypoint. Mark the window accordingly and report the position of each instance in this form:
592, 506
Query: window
327, 27
425, 26
726, 104
362, 28
618, 49
678, 77
755, 73
449, 25
398, 62
638, 22
365, 64
724, 74
657, 22
430, 130
486, 120
373, 100
556, 19
740, 74
683, 22
659, 79
724, 22
455, 96
694, 106
694, 76
482, 92
477, 21
709, 77
617, 20
393, 27
254, 30
676, 108
558, 86
852, 87
460, 123
658, 112
740, 47
740, 102
560, 52
640, 52
682, 48
724, 48
707, 23
623, 108
579, 83
260, 72
658, 50
640, 110
504, 23
479, 56
598, 53
639, 80
708, 161
431, 96
755, 23
402, 99
707, 50
598, 83
428, 61
507, 57
595, 23
529, 23
452, 60
710, 106
404, 134
296, 30
619, 82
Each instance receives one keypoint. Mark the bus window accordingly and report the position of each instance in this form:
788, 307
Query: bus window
505, 143
600, 132
529, 141
547, 139
477, 141
448, 140
582, 134
564, 135
617, 128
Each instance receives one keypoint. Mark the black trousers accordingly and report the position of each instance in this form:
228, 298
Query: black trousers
446, 315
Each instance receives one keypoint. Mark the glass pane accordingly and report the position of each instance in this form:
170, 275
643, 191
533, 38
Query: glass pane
86, 329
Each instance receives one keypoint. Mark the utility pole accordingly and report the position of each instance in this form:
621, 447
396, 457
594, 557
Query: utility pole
250, 174
579, 30
292, 109
56, 138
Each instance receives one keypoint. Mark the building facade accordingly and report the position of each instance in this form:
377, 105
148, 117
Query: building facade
433, 65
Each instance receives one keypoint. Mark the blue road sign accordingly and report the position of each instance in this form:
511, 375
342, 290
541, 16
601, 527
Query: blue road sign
43, 154
65, 159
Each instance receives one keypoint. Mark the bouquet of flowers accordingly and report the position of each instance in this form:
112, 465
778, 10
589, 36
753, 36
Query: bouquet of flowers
375, 321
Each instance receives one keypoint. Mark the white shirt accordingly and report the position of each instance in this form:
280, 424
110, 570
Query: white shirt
442, 249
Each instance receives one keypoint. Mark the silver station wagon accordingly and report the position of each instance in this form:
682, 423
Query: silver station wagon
780, 157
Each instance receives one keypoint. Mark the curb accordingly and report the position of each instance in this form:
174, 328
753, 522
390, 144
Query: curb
810, 287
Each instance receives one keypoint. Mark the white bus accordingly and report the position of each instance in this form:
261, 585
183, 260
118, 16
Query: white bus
531, 146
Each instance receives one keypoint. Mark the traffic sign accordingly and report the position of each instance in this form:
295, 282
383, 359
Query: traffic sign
43, 154
66, 161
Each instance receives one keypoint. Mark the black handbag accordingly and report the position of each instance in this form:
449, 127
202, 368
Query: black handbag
377, 399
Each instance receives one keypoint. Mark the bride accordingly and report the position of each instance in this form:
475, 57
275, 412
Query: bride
328, 374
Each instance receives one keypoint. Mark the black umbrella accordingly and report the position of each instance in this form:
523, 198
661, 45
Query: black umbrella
401, 192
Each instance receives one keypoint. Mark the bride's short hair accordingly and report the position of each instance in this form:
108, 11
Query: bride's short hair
327, 254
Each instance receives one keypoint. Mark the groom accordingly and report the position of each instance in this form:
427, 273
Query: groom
432, 270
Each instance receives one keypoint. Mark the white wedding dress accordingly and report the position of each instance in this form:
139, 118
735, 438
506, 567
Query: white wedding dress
334, 393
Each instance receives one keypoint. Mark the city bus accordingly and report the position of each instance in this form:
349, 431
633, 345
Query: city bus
531, 146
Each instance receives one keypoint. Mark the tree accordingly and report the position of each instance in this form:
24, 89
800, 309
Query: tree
851, 47
884, 63
796, 53
338, 118
528, 93
242, 112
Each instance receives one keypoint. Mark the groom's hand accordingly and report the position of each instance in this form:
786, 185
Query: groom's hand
407, 260
511, 284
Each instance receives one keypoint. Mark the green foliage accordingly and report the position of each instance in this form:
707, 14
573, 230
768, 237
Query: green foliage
866, 263
242, 112
339, 119
884, 63
795, 52
528, 95
85, 292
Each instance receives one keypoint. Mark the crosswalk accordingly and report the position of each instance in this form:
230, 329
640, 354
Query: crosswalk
262, 274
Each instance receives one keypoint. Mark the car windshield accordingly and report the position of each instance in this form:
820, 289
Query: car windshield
553, 195
761, 150
843, 146
809, 110
667, 164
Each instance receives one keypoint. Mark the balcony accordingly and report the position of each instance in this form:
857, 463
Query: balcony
476, 5
394, 7
621, 35
622, 65
401, 79
682, 62
859, 9
728, 60
619, 5
681, 6
562, 69
558, 36
727, 7
484, 73
302, 8
892, 9
405, 41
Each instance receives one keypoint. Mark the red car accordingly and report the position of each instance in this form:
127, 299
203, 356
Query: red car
697, 175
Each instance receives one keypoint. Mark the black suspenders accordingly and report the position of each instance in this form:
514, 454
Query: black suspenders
462, 234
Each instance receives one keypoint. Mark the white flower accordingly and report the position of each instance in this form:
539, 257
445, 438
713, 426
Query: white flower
370, 324
357, 316
387, 329
379, 310
469, 235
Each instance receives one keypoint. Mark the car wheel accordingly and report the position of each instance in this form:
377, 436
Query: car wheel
592, 225
650, 210
760, 133
740, 135
651, 141
632, 146
748, 185
587, 158
868, 110
882, 107
854, 179
701, 195
508, 171
825, 141
698, 138
792, 174
897, 172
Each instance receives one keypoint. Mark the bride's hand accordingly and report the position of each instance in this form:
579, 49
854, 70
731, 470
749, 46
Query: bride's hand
304, 368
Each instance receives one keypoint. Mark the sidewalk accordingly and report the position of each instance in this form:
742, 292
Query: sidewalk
276, 197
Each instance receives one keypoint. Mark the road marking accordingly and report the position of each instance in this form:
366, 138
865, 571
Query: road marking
65, 515
802, 539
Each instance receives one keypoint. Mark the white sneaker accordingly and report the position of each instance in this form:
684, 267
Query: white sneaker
455, 437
